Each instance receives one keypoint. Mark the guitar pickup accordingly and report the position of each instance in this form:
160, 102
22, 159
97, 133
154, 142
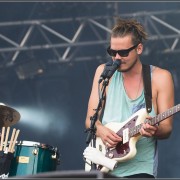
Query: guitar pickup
125, 135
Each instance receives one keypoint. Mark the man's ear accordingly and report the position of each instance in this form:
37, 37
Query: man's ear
139, 48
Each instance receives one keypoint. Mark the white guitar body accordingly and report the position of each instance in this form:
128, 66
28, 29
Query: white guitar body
125, 150
129, 131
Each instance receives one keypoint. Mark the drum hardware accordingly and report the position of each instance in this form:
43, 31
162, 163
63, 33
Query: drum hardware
35, 151
54, 156
55, 153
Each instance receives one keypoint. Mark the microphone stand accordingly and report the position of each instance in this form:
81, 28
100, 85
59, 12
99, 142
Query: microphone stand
92, 130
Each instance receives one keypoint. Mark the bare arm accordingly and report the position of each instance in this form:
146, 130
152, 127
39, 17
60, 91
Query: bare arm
164, 99
94, 97
107, 135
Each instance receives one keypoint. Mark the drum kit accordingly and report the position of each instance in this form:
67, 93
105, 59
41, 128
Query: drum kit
21, 158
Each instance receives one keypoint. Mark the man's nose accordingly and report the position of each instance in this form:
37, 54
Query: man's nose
117, 56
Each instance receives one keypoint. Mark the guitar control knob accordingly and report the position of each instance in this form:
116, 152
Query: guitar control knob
111, 155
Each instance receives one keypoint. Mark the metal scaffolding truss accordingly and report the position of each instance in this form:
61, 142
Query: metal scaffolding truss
81, 38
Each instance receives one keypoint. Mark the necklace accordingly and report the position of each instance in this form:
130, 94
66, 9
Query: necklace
139, 86
128, 92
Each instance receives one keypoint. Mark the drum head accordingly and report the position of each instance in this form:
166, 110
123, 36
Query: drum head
28, 143
34, 144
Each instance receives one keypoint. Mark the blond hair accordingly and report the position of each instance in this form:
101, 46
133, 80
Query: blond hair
125, 27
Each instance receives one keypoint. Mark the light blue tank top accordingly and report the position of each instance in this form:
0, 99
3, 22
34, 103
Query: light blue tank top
119, 107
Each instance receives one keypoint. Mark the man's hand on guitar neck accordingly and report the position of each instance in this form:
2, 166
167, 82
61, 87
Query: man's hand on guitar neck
109, 137
147, 130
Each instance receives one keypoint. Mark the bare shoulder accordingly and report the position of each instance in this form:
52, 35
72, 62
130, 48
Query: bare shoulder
159, 72
161, 76
99, 70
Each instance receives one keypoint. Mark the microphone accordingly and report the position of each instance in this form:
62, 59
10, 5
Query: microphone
113, 68
105, 71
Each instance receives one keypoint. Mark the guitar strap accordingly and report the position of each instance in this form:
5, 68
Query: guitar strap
147, 86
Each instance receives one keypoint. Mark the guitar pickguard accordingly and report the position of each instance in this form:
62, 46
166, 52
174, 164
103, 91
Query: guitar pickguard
121, 149
127, 150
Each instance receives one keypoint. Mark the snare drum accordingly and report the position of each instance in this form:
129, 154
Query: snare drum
32, 158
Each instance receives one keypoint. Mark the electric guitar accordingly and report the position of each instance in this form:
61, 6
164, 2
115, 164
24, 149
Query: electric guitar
129, 131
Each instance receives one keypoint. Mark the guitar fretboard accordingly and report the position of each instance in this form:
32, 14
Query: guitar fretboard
160, 117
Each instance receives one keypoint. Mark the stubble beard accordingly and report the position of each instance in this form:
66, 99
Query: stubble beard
129, 68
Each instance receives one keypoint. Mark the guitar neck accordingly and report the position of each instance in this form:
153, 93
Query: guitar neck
155, 120
164, 115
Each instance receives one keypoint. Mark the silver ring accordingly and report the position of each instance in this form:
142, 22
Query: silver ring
107, 143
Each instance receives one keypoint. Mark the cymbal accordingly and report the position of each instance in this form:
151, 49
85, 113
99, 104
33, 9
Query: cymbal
8, 116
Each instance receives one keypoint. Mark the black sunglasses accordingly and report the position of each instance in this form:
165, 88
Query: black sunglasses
122, 53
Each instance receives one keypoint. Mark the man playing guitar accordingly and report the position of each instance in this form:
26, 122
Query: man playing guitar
125, 97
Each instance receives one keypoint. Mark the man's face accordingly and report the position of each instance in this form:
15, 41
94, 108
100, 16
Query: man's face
128, 54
